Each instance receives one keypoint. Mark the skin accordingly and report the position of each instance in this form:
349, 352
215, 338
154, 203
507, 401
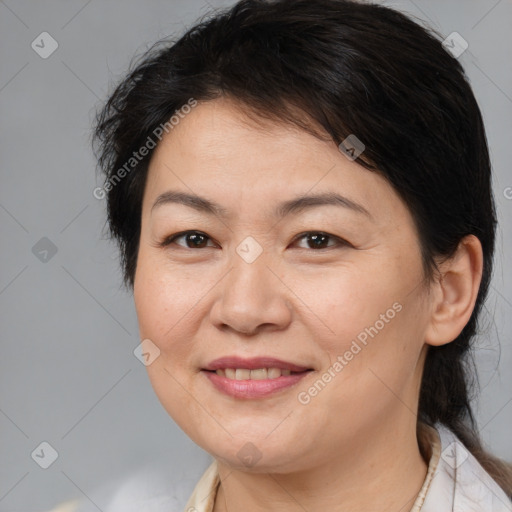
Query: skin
353, 446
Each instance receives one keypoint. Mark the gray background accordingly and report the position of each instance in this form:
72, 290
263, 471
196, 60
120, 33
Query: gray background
68, 375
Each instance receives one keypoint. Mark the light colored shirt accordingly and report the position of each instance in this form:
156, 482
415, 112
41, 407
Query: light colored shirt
455, 482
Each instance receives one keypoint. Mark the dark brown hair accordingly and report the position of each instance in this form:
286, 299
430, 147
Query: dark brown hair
350, 68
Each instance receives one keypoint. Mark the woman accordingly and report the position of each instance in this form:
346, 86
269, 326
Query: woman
301, 193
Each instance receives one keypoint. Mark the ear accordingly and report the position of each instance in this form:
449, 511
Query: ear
454, 292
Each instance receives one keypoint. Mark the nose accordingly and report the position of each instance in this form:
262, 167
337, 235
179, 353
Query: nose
251, 298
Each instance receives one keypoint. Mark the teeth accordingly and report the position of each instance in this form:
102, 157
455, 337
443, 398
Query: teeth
258, 374
242, 374
273, 373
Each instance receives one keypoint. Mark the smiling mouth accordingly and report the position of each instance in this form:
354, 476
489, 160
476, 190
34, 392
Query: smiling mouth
254, 377
257, 383
255, 374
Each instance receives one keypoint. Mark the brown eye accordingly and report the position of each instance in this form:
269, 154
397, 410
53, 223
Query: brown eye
320, 240
192, 240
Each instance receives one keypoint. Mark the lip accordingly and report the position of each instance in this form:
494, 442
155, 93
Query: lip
253, 363
253, 389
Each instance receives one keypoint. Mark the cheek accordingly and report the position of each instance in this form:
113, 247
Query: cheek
165, 301
374, 320
159, 308
164, 314
355, 301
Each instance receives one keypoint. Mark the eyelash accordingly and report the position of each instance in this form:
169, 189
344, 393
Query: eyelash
340, 241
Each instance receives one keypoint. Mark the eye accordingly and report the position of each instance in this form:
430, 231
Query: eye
192, 240
320, 240
197, 240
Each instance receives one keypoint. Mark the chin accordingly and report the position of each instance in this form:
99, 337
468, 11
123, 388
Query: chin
254, 454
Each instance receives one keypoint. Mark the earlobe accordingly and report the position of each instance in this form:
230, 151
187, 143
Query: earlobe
455, 292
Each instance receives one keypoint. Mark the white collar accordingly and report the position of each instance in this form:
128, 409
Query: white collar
460, 483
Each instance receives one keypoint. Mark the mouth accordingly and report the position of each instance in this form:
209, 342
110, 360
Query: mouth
255, 377
257, 374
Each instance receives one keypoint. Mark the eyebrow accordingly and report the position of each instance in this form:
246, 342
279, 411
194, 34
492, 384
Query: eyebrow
292, 206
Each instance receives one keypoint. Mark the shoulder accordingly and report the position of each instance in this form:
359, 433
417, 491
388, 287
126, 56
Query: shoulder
460, 483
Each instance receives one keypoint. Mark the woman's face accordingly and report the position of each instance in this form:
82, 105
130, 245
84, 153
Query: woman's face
297, 258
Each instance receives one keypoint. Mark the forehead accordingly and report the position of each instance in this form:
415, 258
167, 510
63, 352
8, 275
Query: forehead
222, 131
218, 152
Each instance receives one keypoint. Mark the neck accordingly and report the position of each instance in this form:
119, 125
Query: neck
386, 473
